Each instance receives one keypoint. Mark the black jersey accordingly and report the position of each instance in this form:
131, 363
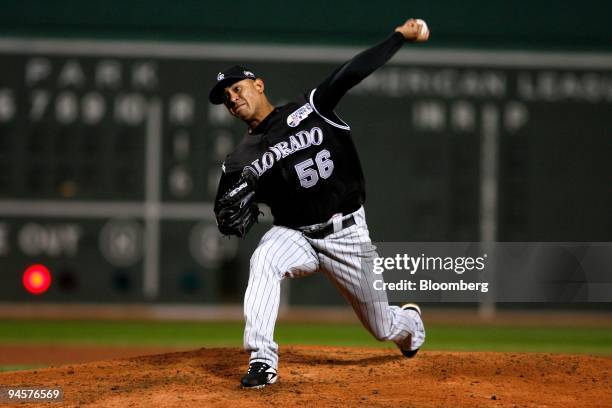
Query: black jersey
303, 153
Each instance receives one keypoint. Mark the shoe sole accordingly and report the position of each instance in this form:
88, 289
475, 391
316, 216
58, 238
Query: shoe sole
416, 308
412, 306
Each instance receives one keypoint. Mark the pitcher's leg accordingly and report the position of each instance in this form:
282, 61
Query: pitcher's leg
347, 258
282, 252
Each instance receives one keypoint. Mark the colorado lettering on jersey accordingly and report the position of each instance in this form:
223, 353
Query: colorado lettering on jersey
300, 141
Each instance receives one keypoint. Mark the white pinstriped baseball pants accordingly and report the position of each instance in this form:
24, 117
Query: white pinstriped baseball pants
346, 257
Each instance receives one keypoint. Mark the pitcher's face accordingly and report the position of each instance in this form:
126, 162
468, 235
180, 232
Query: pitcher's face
244, 99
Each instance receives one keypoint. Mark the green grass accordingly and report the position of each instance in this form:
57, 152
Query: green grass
20, 367
596, 340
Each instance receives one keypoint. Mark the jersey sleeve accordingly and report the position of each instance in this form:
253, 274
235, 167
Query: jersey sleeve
328, 93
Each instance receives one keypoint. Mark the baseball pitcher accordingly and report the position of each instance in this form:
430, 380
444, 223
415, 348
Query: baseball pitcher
300, 160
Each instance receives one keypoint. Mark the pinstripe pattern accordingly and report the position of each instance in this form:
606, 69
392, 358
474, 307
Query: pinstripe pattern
346, 258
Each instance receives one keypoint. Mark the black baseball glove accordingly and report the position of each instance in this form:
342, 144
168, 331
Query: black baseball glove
236, 210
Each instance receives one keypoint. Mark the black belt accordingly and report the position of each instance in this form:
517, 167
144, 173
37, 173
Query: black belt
329, 229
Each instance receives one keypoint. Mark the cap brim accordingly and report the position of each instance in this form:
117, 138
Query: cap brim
216, 95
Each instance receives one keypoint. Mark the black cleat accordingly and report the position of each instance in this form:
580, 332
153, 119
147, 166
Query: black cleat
259, 375
406, 351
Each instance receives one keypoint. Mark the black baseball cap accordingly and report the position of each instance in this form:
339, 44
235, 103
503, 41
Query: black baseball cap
227, 78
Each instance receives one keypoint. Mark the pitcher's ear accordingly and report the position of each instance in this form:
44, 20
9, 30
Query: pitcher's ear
259, 85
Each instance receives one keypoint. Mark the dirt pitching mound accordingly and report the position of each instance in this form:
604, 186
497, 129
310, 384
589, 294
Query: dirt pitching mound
332, 376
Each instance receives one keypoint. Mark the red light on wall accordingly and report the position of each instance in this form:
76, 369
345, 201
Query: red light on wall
37, 279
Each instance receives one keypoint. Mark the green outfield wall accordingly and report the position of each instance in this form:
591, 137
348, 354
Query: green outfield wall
110, 153
539, 24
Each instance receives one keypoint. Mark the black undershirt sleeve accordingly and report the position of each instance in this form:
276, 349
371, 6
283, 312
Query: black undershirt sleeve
334, 87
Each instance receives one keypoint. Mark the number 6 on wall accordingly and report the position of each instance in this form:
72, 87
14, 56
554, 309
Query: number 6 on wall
309, 176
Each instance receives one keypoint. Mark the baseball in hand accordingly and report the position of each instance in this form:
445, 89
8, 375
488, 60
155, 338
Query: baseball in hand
423, 32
